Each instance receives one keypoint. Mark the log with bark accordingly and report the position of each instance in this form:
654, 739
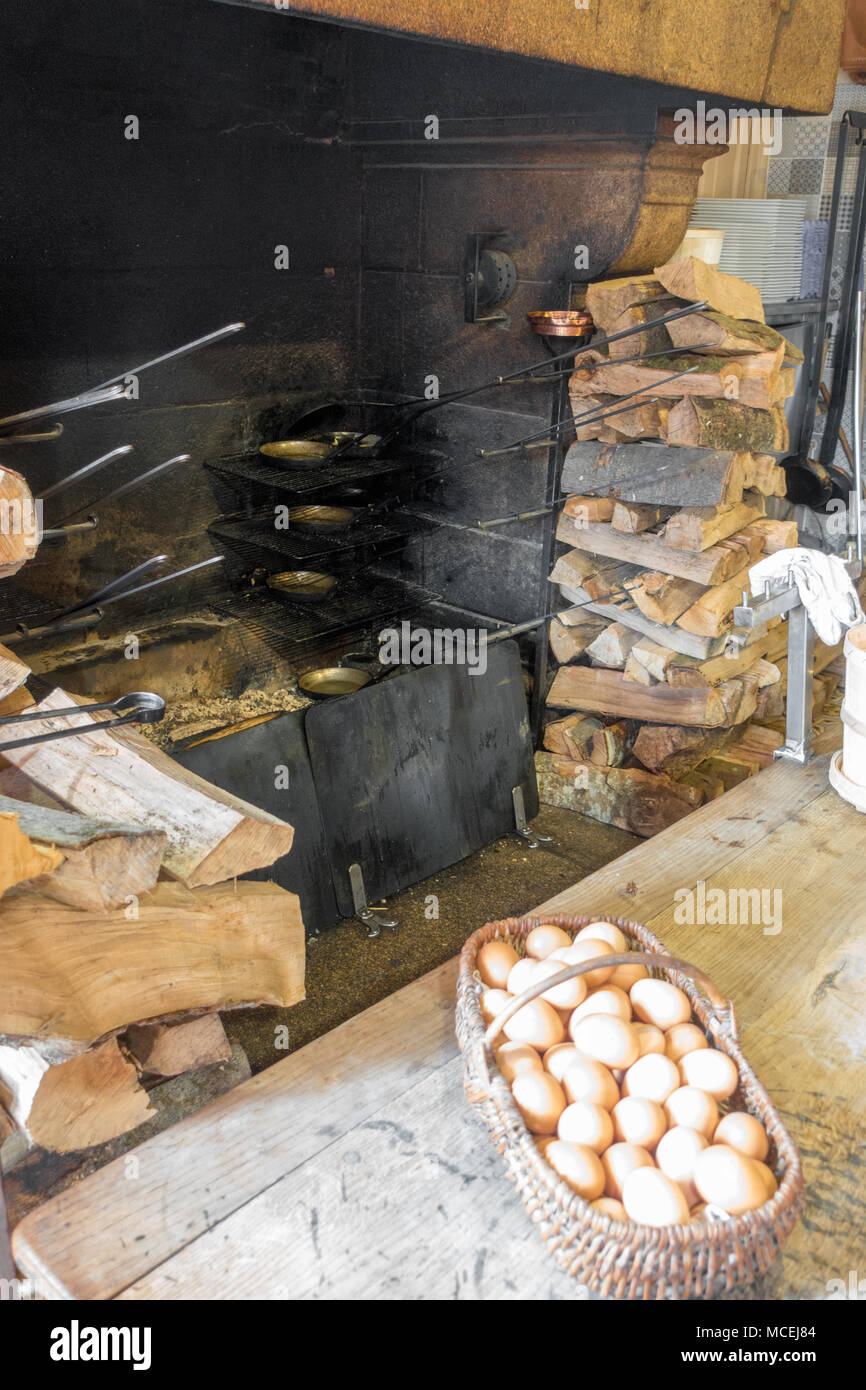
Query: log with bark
120, 776
594, 689
20, 530
729, 336
20, 858
606, 300
572, 736
631, 798
710, 566
726, 424
755, 380
694, 280
655, 474
168, 1049
712, 614
73, 1104
685, 671
612, 744
674, 749
655, 339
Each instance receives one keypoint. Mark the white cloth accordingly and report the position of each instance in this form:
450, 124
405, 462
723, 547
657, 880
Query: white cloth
824, 586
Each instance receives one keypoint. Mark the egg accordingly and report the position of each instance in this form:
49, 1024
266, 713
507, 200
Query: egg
586, 950
638, 1121
618, 1162
540, 1100
558, 1059
538, 1024
586, 1123
516, 1058
586, 1079
693, 1108
678, 1152
653, 1077
520, 975
744, 1133
711, 1071
683, 1038
493, 1001
543, 940
603, 1001
650, 1038
578, 1166
652, 1199
699, 1212
727, 1179
564, 997
494, 962
768, 1178
624, 976
607, 1039
604, 931
659, 1002
611, 1207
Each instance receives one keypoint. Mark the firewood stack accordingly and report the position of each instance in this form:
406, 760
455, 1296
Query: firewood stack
123, 928
660, 537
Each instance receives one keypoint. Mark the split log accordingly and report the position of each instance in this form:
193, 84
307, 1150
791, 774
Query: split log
612, 744
634, 517
654, 473
20, 531
777, 535
118, 775
684, 671
591, 688
591, 508
676, 750
643, 421
762, 473
711, 786
631, 798
654, 659
606, 300
758, 743
697, 528
573, 567
726, 424
13, 674
694, 280
648, 340
79, 976
726, 335
662, 597
20, 859
169, 1049
572, 736
731, 768
752, 381
86, 1100
710, 566
712, 614
612, 646
634, 671
569, 641
589, 576
623, 611
770, 703
97, 865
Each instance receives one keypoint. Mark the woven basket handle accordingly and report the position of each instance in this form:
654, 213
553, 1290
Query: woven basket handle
724, 1008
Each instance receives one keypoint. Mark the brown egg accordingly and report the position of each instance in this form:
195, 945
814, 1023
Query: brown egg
520, 975
538, 1024
768, 1178
578, 1166
711, 1071
693, 1108
678, 1152
653, 1077
495, 961
609, 1040
586, 1079
618, 1162
516, 1058
564, 997
729, 1180
586, 1123
611, 1207
650, 1038
652, 1199
493, 1001
698, 1212
603, 1001
585, 950
624, 976
604, 931
638, 1121
682, 1038
540, 1100
742, 1132
543, 940
557, 1059
659, 1002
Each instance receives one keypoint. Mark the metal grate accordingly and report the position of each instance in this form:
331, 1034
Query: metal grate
303, 482
249, 538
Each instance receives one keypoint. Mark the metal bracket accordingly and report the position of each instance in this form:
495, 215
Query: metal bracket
532, 837
363, 911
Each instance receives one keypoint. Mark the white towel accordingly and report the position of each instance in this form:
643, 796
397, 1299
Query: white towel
824, 586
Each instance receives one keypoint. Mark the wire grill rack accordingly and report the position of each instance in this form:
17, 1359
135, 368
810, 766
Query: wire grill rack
242, 469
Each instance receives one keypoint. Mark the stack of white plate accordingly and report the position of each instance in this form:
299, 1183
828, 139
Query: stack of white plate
763, 240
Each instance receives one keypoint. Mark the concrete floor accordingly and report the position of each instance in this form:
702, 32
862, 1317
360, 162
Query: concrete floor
347, 971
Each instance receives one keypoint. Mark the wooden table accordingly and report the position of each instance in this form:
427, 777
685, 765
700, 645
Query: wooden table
356, 1169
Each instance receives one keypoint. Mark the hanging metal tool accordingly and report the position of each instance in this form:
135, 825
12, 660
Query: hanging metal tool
176, 352
59, 533
85, 471
141, 707
126, 488
81, 402
120, 583
40, 438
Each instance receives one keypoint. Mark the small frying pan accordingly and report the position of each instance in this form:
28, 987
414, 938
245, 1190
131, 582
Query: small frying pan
298, 453
321, 519
305, 586
325, 682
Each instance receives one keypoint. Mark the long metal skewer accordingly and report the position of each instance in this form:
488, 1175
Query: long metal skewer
176, 352
93, 599
126, 488
95, 397
85, 471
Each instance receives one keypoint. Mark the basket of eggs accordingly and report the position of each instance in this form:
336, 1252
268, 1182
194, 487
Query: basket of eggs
612, 1083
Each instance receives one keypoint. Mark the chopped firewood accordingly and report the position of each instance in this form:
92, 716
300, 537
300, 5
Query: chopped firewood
591, 508
754, 381
20, 858
694, 280
7, 1125
607, 299
758, 743
711, 785
608, 693
612, 744
731, 768
725, 335
612, 646
19, 523
653, 658
168, 1049
674, 750
573, 567
630, 798
770, 703
569, 641
118, 775
642, 421
767, 673
698, 528
13, 674
637, 516
572, 736
685, 671
76, 975
777, 535
712, 614
634, 671
662, 597
653, 473
96, 864
74, 1104
655, 339
710, 566
726, 424
762, 473
619, 609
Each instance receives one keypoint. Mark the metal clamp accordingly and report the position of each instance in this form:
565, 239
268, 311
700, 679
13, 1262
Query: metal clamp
363, 911
533, 838
141, 707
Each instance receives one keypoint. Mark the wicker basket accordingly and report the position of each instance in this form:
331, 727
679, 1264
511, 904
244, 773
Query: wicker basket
615, 1258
